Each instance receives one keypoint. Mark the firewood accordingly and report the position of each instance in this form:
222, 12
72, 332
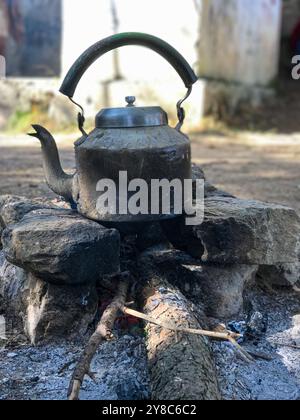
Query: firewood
228, 335
103, 332
181, 365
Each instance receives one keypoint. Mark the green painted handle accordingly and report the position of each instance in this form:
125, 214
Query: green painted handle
128, 38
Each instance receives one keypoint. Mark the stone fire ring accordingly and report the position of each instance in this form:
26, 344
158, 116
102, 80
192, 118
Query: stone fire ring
53, 263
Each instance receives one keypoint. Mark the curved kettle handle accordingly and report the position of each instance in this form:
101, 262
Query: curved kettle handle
80, 66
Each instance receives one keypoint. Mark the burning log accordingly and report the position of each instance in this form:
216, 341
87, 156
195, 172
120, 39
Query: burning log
175, 316
181, 365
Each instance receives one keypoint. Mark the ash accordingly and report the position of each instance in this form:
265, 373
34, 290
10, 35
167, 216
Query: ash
277, 379
43, 373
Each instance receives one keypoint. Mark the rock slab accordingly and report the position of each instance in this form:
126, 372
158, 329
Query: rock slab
42, 311
217, 289
14, 208
238, 231
61, 247
57, 312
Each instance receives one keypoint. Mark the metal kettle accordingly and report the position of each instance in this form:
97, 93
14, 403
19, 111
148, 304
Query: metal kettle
133, 139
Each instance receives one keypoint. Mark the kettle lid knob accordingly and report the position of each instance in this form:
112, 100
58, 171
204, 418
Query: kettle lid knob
130, 100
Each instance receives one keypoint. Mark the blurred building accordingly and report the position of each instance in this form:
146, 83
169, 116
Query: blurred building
233, 45
239, 48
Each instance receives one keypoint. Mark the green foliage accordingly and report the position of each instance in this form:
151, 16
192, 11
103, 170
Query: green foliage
19, 122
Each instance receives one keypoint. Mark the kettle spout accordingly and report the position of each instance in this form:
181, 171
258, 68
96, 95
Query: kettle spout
57, 180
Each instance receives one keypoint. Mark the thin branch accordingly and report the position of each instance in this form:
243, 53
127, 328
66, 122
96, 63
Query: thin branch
260, 355
103, 332
291, 346
227, 336
243, 353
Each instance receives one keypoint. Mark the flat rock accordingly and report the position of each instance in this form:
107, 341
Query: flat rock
4, 200
212, 191
222, 287
42, 311
14, 208
238, 231
217, 289
61, 247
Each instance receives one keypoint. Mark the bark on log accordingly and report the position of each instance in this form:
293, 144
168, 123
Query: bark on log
181, 365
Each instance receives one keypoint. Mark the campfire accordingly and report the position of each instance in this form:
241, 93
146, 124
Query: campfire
61, 274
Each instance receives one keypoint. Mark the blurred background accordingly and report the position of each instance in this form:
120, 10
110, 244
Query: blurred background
243, 115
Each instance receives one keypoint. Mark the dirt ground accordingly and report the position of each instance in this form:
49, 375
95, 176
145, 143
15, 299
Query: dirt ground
250, 165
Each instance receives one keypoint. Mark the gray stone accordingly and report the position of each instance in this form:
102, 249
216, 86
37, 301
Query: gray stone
58, 312
285, 275
239, 232
61, 247
197, 172
257, 325
216, 289
12, 281
42, 311
212, 191
221, 287
209, 189
7, 199
14, 208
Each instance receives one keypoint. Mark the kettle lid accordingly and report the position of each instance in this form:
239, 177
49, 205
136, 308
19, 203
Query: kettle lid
131, 116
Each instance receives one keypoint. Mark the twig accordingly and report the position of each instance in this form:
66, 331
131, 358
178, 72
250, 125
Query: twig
66, 366
244, 354
291, 346
103, 332
227, 336
259, 355
212, 334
